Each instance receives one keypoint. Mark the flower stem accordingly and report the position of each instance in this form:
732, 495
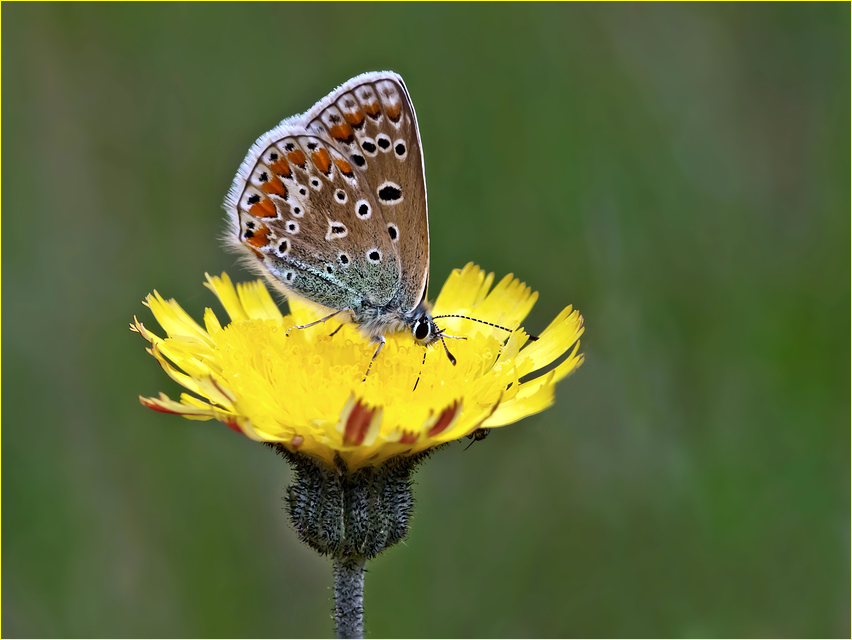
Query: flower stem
349, 596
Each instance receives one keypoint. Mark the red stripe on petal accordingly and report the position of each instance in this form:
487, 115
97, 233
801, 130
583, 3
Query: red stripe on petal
297, 441
233, 424
357, 424
152, 404
445, 419
408, 437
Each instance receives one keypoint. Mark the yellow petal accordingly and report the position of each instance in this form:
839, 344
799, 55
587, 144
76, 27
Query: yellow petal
224, 290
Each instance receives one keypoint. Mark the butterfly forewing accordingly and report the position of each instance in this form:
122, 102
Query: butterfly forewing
372, 119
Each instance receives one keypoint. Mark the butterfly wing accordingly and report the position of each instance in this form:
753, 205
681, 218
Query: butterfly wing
309, 221
372, 120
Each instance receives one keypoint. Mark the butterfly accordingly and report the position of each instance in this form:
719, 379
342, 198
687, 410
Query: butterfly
330, 205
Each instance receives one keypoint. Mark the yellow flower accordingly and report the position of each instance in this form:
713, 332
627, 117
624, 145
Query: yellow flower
304, 389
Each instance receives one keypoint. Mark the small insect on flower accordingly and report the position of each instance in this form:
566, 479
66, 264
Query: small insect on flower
476, 436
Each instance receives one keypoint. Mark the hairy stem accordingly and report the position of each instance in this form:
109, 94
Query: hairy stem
349, 596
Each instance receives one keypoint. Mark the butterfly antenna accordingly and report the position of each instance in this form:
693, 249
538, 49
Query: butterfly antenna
490, 324
422, 364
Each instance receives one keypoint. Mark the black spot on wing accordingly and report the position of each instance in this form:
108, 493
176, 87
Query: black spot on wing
390, 193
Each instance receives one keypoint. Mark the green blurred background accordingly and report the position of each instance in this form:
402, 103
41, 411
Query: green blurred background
679, 173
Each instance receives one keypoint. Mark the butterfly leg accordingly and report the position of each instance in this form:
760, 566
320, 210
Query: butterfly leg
422, 364
320, 321
382, 342
335, 331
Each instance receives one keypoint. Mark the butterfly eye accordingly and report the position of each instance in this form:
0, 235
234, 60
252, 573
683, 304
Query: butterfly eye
421, 330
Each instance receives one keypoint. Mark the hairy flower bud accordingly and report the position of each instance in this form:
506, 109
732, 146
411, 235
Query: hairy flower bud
341, 513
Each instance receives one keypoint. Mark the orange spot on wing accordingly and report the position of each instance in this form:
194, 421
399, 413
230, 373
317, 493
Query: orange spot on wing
281, 167
297, 157
372, 109
321, 160
343, 166
275, 186
357, 424
393, 111
263, 209
257, 253
445, 419
259, 237
343, 132
355, 118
